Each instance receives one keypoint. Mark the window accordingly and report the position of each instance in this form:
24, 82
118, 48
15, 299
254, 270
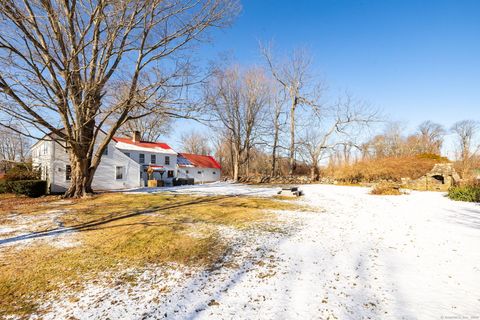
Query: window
153, 158
105, 152
119, 173
68, 172
199, 172
214, 172
45, 148
170, 174
186, 171
167, 160
141, 158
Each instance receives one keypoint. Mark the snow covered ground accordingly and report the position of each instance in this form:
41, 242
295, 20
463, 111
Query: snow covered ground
31, 229
355, 256
215, 188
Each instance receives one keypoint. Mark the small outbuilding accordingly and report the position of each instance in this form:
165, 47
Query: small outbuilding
199, 167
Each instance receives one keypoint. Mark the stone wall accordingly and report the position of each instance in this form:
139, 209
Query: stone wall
440, 178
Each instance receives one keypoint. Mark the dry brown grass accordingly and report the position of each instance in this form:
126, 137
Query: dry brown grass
118, 231
10, 203
393, 168
386, 189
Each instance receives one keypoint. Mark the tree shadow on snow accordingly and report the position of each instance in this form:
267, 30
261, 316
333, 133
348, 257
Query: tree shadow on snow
467, 217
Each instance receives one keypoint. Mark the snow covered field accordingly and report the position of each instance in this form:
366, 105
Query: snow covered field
215, 188
354, 256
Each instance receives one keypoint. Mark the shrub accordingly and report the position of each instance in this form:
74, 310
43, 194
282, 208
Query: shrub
22, 172
3, 186
469, 192
31, 188
385, 188
432, 156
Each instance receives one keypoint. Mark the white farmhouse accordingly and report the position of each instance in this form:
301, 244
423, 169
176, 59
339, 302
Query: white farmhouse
199, 167
123, 164
157, 155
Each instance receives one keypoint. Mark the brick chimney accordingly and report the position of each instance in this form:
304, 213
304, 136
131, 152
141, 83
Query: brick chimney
136, 136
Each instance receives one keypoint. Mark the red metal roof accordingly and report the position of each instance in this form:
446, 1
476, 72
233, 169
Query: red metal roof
143, 144
202, 161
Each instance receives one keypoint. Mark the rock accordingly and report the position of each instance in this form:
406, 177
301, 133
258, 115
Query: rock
440, 178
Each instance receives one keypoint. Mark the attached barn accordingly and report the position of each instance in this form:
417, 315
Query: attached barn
199, 167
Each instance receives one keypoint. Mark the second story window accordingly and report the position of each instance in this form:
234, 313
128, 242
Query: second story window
105, 151
153, 158
141, 158
167, 160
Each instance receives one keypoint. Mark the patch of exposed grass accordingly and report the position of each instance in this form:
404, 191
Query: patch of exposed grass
118, 231
284, 197
16, 204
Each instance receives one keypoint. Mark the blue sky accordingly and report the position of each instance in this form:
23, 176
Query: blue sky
416, 60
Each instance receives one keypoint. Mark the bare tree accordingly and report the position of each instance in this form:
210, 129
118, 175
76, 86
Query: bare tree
332, 127
465, 132
278, 101
390, 143
64, 62
431, 137
237, 100
223, 153
196, 143
294, 75
13, 146
151, 127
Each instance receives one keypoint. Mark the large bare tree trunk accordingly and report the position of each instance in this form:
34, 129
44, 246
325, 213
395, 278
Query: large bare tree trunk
274, 153
292, 136
247, 163
81, 177
312, 173
236, 167
82, 163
